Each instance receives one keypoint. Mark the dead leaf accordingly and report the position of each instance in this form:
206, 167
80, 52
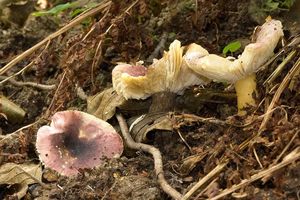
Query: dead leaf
190, 163
11, 111
103, 105
21, 174
146, 123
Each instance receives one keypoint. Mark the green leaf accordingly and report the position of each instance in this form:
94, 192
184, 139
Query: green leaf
287, 3
270, 5
55, 10
77, 11
232, 47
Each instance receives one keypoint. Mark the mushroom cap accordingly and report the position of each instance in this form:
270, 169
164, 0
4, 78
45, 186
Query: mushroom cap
170, 73
77, 140
254, 55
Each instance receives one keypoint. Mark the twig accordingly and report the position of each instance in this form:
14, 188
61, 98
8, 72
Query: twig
266, 178
277, 95
206, 188
109, 190
158, 165
280, 67
257, 158
27, 66
159, 47
64, 29
202, 181
286, 147
270, 108
291, 157
184, 141
7, 136
55, 94
31, 84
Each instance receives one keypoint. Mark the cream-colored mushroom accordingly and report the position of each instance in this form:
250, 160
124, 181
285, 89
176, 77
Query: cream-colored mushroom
240, 71
168, 74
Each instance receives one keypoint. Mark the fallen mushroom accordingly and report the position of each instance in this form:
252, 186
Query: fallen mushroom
240, 71
76, 140
166, 74
175, 71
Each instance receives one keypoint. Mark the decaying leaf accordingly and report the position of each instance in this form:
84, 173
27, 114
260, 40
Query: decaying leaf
146, 123
21, 174
190, 163
103, 105
12, 112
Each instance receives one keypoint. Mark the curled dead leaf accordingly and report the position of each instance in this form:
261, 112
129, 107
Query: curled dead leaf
21, 174
149, 122
12, 112
103, 105
190, 163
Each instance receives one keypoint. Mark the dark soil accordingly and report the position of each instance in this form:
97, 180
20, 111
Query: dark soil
73, 63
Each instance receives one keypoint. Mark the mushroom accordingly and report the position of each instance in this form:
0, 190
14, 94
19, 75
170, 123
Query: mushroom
76, 140
240, 71
163, 79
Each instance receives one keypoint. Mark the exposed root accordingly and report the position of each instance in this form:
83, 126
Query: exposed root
158, 165
29, 83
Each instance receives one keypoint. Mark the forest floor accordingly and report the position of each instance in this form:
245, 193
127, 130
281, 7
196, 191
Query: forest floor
255, 156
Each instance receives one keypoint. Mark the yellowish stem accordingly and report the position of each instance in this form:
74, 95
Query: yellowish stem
245, 89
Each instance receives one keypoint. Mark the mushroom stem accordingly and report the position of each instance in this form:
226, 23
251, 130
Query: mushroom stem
162, 102
244, 90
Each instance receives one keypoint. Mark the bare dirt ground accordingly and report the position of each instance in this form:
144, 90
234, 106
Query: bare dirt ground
255, 156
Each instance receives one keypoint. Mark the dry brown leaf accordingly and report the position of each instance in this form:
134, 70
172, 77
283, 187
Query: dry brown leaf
146, 123
21, 174
190, 162
12, 112
103, 105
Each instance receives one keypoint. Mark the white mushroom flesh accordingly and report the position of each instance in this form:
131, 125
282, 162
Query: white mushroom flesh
255, 55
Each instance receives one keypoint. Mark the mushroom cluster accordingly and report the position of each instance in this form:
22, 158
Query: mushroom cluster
174, 72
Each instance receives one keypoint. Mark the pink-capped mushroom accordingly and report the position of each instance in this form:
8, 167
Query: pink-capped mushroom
77, 140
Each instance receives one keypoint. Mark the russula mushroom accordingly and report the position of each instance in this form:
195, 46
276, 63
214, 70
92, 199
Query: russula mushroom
76, 140
168, 75
240, 71
165, 74
175, 71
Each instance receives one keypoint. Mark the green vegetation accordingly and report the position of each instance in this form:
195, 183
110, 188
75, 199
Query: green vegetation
55, 10
273, 5
232, 47
76, 9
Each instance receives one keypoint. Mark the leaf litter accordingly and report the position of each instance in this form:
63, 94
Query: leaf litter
209, 153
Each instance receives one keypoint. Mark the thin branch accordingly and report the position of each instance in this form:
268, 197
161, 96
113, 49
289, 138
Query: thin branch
277, 95
29, 83
64, 29
290, 158
159, 47
158, 165
205, 179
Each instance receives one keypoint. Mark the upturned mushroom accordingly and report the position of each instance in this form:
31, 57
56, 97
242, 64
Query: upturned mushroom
165, 77
76, 140
240, 71
174, 72
166, 74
